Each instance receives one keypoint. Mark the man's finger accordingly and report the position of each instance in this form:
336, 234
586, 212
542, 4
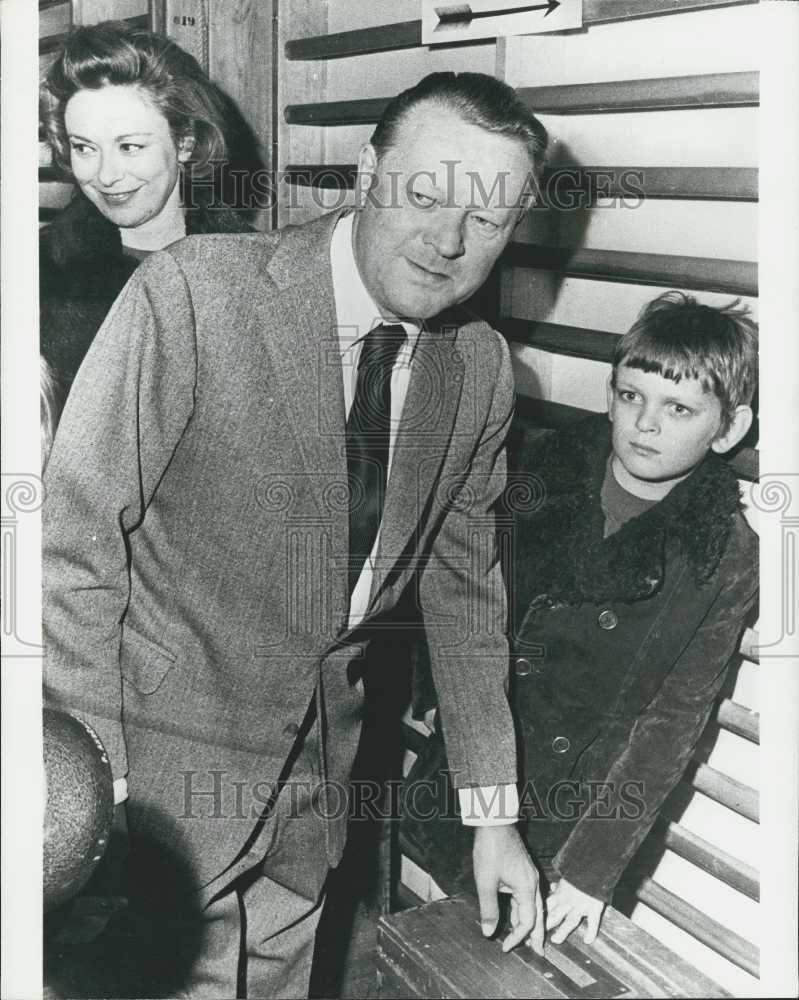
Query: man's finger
565, 929
526, 920
536, 939
489, 907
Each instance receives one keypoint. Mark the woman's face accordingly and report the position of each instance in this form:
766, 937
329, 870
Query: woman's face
122, 153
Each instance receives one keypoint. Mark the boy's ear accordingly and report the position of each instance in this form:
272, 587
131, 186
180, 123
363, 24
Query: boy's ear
367, 168
609, 388
739, 426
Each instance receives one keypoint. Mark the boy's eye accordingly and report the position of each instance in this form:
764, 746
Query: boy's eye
680, 410
628, 395
81, 149
422, 200
131, 147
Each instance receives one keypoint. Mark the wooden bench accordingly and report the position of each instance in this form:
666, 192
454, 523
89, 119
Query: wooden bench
438, 950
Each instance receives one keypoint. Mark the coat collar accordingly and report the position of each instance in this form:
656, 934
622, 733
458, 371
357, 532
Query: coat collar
562, 556
82, 237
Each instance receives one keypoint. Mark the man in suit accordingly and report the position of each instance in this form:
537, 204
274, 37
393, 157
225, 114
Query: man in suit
273, 439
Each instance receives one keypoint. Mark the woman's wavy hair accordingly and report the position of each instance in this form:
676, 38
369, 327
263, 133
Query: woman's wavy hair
116, 54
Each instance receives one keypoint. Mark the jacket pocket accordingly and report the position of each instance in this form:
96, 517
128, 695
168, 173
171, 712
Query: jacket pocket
144, 664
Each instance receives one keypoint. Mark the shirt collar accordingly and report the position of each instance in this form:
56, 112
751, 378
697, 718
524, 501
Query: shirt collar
356, 311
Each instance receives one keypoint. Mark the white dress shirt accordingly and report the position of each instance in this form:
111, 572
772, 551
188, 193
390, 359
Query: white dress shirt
357, 314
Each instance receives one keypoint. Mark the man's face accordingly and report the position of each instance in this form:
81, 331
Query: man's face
442, 206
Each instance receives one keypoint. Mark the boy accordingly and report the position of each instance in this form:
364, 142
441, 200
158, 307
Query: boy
629, 583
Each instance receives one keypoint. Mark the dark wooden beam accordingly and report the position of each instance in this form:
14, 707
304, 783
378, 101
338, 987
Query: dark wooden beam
708, 274
711, 90
564, 184
408, 34
573, 341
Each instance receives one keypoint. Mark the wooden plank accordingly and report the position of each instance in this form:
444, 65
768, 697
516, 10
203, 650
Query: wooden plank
738, 719
725, 790
712, 90
710, 858
437, 950
749, 645
571, 341
240, 53
709, 274
682, 914
408, 34
562, 183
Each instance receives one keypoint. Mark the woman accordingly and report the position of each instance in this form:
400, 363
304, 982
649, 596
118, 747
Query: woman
137, 123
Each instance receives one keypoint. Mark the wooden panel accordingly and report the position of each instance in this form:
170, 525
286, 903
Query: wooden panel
713, 90
94, 11
240, 52
437, 950
725, 942
706, 183
733, 794
408, 34
730, 870
50, 44
573, 341
707, 274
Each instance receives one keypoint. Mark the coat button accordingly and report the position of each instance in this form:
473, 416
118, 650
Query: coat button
561, 744
522, 666
607, 619
291, 729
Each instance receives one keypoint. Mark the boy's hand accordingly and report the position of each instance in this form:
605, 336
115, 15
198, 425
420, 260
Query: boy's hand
567, 906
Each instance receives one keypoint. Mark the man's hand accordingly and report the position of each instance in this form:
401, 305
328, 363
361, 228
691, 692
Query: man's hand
567, 906
502, 864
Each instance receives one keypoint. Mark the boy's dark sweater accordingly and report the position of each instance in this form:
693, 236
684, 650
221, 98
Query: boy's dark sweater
619, 646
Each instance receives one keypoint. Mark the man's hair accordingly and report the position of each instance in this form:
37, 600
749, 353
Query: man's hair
479, 99
678, 337
115, 54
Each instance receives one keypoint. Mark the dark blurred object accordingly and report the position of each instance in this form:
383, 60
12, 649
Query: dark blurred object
79, 805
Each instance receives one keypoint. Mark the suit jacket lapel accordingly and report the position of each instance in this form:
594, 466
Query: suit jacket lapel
423, 439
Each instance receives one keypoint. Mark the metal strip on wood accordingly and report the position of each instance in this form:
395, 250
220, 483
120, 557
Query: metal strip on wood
408, 34
567, 181
682, 914
711, 90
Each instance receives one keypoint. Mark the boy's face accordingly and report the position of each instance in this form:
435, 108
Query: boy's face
662, 429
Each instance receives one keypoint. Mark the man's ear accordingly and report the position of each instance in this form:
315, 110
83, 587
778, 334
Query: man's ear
186, 146
609, 388
739, 426
367, 169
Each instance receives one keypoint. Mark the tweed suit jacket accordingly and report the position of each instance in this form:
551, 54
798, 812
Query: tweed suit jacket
196, 538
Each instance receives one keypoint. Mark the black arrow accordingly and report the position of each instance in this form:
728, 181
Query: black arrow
461, 14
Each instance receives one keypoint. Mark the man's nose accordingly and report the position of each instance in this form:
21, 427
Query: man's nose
110, 169
647, 421
445, 234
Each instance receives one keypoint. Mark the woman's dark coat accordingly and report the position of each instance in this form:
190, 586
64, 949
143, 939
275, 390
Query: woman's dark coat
82, 270
619, 647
